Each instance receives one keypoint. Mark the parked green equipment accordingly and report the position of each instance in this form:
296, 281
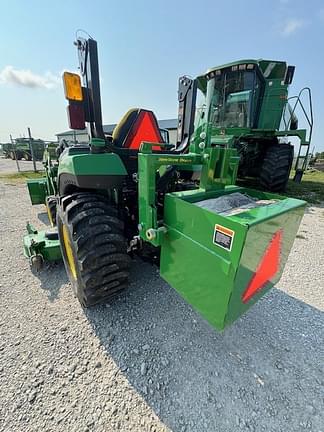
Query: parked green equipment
20, 148
9, 151
249, 101
219, 245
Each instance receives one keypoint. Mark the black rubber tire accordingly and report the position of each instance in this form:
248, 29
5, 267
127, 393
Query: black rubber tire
276, 167
51, 205
98, 246
14, 157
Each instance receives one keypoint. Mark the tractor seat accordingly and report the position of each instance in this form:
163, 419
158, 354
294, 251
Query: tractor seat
136, 126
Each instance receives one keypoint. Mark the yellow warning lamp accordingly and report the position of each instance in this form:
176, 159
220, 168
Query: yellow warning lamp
72, 87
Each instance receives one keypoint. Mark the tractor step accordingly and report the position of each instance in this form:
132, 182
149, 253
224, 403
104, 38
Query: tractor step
224, 250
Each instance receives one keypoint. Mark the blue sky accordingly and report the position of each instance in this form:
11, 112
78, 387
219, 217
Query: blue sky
144, 46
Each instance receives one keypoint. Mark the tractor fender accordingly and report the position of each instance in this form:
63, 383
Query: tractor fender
89, 171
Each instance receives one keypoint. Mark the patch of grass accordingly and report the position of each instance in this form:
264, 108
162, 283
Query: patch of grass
311, 188
21, 177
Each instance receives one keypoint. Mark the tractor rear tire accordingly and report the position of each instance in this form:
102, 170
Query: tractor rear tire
93, 246
276, 167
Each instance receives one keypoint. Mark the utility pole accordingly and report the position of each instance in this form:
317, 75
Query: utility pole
31, 149
14, 152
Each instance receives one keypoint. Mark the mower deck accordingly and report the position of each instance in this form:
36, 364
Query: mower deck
40, 246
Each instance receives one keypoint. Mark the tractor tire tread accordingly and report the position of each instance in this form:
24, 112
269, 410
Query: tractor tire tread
99, 247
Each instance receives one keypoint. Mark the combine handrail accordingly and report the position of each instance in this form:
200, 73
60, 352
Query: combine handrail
310, 120
309, 116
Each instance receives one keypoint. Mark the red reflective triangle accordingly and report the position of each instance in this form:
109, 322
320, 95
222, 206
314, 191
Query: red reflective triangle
144, 129
267, 268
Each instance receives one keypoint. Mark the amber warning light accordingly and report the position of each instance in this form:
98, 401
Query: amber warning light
73, 93
72, 87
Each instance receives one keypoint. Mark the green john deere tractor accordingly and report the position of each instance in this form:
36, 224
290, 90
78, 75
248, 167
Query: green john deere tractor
219, 245
20, 148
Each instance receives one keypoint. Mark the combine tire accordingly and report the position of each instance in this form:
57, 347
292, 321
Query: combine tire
276, 167
51, 204
93, 246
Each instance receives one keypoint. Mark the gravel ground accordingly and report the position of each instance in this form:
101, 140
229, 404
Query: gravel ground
10, 166
148, 362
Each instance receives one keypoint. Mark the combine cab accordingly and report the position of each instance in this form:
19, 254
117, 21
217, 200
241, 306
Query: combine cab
248, 100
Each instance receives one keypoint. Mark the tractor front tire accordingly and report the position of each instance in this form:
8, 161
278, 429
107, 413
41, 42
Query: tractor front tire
51, 205
276, 167
93, 246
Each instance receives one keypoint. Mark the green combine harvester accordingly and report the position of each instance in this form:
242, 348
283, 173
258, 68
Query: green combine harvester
221, 246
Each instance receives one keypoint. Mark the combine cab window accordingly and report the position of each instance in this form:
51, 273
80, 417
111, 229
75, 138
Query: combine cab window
232, 99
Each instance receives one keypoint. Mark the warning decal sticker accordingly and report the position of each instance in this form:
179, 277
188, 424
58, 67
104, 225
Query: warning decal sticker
223, 237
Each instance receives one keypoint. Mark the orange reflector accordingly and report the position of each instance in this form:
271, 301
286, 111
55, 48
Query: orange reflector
267, 268
72, 86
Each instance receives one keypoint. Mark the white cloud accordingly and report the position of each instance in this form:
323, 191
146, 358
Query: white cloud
26, 78
291, 25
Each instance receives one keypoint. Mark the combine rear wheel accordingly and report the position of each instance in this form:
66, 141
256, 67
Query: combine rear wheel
276, 167
93, 246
